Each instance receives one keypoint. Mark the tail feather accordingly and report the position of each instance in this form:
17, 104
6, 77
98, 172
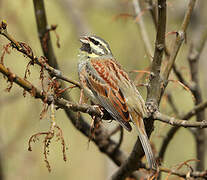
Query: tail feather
145, 142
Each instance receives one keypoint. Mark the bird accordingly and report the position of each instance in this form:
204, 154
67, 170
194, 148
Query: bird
107, 84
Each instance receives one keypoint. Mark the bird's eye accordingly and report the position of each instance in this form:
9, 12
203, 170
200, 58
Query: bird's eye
94, 41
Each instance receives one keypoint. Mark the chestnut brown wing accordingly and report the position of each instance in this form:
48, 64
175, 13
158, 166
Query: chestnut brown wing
102, 78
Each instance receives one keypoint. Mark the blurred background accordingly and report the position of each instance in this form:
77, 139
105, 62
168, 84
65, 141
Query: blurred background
20, 117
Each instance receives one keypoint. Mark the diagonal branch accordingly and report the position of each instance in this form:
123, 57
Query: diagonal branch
27, 51
179, 40
48, 98
152, 10
142, 29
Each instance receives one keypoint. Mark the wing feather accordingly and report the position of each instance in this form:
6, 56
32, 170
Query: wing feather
101, 78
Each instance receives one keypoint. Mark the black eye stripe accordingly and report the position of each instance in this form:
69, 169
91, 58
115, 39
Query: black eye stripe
94, 41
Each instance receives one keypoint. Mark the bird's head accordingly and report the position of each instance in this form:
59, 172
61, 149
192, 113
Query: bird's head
94, 46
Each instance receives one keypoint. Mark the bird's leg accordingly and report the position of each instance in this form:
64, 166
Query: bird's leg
106, 115
82, 100
95, 124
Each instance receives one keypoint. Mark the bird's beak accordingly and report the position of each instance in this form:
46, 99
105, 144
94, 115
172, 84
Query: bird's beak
84, 39
85, 44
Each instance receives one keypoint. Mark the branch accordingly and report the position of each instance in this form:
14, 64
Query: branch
142, 29
169, 136
172, 103
197, 109
193, 58
48, 98
179, 40
133, 161
171, 64
180, 77
27, 51
43, 33
105, 145
153, 14
131, 164
190, 174
152, 10
167, 51
102, 140
178, 122
155, 82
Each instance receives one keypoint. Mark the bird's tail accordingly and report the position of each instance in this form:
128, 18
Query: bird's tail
138, 122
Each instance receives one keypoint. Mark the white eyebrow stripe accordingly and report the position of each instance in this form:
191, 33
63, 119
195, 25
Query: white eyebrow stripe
101, 48
97, 49
103, 44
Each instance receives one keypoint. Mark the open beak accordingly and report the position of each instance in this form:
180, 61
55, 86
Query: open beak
85, 44
84, 39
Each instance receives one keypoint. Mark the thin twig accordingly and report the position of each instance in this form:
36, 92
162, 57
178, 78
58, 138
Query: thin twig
189, 174
152, 10
180, 77
172, 103
142, 29
177, 172
193, 58
23, 48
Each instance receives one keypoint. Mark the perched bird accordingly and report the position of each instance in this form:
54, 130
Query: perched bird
108, 85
